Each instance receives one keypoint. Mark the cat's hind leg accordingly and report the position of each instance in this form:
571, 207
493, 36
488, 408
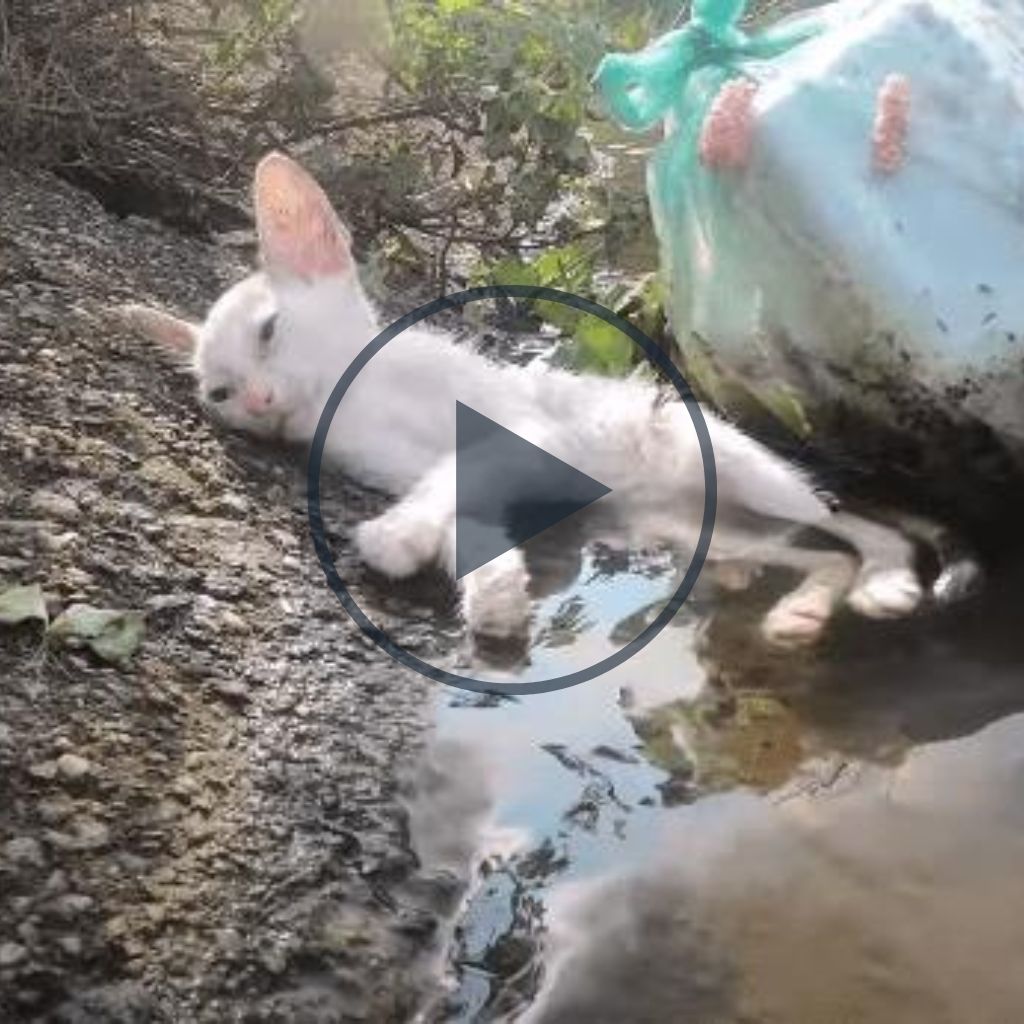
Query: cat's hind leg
887, 585
801, 616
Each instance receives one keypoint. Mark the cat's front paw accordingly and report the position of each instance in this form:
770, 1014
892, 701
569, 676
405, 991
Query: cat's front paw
496, 599
887, 594
800, 618
397, 544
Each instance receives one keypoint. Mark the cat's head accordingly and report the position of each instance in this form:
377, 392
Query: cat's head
272, 346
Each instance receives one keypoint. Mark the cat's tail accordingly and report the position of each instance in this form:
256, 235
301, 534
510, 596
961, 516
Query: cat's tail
757, 479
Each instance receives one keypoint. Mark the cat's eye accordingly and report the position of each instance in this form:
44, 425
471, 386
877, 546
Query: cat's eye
267, 329
218, 395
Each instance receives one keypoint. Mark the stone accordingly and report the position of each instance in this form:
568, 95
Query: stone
11, 954
24, 850
73, 767
55, 506
90, 834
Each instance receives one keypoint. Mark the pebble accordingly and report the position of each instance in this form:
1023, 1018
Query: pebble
56, 506
11, 954
57, 883
56, 809
43, 770
72, 904
71, 944
90, 833
25, 850
234, 503
275, 960
233, 691
234, 622
72, 767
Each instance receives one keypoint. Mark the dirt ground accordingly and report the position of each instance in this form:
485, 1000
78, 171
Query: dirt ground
216, 832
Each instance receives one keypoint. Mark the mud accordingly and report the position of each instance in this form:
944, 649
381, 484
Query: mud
214, 832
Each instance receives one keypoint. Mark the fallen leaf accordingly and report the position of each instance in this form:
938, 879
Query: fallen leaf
112, 635
22, 604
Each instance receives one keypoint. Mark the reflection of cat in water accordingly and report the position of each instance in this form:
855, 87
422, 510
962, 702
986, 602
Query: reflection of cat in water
763, 721
273, 347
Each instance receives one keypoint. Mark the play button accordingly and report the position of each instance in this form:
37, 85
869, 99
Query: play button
508, 490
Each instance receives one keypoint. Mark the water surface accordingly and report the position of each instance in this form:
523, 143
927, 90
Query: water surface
717, 832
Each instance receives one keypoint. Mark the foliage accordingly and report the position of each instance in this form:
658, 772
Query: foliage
23, 604
110, 634
511, 84
589, 342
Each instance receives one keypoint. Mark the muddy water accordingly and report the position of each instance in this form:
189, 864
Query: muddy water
715, 832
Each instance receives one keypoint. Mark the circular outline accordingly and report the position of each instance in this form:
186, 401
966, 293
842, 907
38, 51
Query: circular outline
653, 353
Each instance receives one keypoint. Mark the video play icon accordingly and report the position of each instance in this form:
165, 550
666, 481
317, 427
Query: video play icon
488, 521
508, 490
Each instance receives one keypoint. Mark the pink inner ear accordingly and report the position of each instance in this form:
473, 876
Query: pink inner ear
300, 234
169, 331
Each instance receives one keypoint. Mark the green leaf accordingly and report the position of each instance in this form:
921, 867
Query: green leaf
23, 604
112, 635
513, 271
603, 346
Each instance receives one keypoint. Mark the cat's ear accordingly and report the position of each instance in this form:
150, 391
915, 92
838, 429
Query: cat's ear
300, 234
171, 332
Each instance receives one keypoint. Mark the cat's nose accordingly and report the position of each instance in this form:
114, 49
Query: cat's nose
257, 399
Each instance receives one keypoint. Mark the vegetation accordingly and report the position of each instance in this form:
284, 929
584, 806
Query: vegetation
458, 137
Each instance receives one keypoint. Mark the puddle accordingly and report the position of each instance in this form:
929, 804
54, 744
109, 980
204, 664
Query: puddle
717, 832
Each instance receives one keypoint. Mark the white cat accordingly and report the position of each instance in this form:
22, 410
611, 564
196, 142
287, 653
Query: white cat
273, 347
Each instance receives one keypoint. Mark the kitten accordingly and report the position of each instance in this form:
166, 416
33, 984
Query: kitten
273, 347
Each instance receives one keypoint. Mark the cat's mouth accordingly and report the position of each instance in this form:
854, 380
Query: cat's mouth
272, 426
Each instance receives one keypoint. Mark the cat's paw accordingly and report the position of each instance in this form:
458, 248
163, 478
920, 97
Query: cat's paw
397, 544
496, 599
887, 594
958, 581
799, 618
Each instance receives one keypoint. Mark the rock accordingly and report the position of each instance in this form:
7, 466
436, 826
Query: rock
11, 954
56, 884
71, 944
233, 691
169, 602
233, 622
275, 960
72, 767
56, 809
234, 503
45, 771
72, 904
55, 506
24, 850
90, 834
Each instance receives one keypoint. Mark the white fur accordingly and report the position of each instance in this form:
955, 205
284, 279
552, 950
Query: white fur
395, 429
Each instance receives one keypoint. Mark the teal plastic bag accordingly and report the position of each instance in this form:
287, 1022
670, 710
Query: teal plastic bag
675, 81
869, 304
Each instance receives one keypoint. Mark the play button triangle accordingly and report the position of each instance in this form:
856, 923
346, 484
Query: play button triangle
508, 490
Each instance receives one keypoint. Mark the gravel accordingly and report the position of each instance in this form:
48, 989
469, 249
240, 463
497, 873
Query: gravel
215, 832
